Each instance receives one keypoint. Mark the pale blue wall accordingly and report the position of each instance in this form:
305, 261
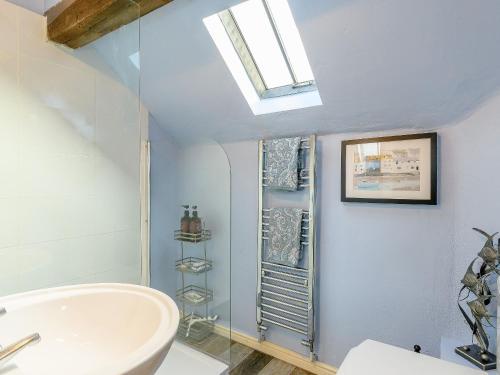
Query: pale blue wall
376, 263
386, 272
474, 160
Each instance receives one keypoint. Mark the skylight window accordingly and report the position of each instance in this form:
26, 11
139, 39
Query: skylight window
259, 38
264, 47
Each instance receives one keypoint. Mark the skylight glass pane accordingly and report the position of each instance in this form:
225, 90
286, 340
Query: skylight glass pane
257, 31
291, 40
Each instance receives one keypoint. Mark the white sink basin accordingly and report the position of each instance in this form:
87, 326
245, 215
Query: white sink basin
98, 329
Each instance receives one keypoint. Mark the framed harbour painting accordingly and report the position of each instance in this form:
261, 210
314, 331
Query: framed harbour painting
399, 169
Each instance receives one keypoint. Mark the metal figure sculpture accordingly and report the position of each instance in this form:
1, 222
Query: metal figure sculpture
477, 295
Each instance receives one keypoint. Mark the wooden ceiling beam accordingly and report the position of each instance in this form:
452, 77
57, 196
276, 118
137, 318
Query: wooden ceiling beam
77, 23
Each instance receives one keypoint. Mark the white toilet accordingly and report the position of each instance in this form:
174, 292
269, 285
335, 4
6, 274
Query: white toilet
374, 358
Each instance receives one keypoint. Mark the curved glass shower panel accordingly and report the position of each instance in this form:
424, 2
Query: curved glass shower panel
191, 263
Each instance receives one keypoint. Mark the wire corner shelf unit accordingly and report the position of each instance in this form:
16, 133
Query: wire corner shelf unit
285, 295
194, 297
193, 265
204, 235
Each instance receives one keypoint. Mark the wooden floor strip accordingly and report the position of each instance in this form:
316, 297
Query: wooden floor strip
277, 366
243, 359
238, 353
299, 371
217, 346
252, 364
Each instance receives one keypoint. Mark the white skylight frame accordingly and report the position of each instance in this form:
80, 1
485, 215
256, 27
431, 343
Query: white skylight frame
296, 87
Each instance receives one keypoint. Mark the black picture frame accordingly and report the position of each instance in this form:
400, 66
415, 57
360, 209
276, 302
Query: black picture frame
433, 137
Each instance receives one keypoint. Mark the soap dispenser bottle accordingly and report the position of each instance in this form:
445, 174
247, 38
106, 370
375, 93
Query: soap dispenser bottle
195, 226
185, 220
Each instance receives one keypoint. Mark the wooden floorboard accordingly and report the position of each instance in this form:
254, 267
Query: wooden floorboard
237, 354
217, 346
299, 371
277, 366
252, 364
243, 359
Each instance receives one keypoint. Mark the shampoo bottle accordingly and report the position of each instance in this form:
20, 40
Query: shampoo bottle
195, 226
186, 220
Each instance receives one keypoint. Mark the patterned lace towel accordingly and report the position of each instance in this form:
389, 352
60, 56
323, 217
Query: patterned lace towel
284, 236
282, 163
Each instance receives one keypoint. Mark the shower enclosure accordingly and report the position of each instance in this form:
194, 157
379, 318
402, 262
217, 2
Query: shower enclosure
74, 173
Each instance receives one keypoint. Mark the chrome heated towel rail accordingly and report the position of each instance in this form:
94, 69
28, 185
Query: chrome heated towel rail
285, 295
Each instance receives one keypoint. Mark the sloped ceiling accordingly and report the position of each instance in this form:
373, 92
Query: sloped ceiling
379, 64
38, 6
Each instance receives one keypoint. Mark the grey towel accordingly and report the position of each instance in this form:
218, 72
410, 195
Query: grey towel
285, 226
282, 163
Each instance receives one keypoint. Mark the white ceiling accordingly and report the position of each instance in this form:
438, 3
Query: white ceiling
379, 64
38, 6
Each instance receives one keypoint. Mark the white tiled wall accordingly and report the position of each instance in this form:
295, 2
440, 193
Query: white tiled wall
69, 164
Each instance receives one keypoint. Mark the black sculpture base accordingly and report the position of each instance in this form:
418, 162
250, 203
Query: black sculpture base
473, 354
